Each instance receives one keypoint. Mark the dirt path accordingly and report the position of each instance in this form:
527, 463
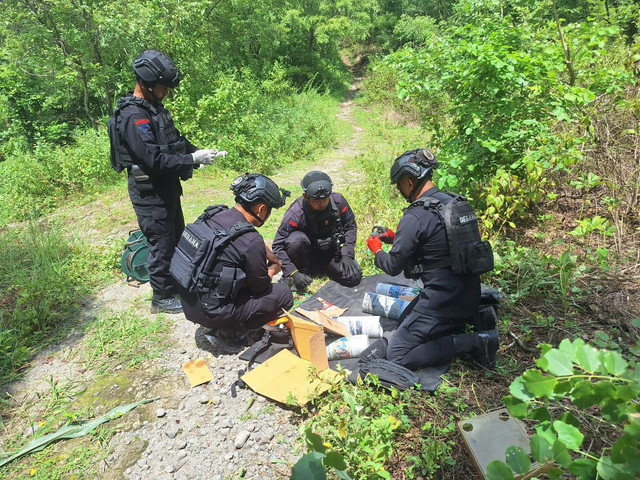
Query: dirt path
189, 433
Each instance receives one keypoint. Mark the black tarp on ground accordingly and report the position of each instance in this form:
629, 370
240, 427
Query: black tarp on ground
351, 299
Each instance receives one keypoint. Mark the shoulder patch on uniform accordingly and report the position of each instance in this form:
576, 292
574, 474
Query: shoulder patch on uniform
293, 224
346, 207
144, 126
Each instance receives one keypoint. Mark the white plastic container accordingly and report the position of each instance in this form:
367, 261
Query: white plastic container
347, 347
362, 325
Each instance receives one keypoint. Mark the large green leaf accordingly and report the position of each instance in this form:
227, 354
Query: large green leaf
517, 408
613, 362
608, 470
518, 388
540, 448
309, 467
568, 348
560, 453
335, 460
74, 430
498, 471
589, 358
517, 459
538, 384
583, 468
569, 435
314, 441
582, 394
558, 363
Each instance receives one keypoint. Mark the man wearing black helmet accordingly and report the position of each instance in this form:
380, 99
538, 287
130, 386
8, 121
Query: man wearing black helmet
431, 330
318, 235
146, 143
244, 268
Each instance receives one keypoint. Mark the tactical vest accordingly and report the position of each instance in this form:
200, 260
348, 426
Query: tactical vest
161, 123
468, 253
325, 228
197, 252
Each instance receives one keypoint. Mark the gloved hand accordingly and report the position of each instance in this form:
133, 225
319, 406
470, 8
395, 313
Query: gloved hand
349, 266
301, 281
374, 243
207, 156
386, 234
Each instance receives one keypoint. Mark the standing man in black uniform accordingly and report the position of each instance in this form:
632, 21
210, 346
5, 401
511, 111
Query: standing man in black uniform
318, 236
245, 267
431, 329
145, 142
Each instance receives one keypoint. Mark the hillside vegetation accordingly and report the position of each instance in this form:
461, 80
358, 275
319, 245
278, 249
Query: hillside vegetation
532, 107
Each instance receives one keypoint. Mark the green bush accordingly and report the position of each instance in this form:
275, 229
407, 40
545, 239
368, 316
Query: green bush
262, 125
574, 388
36, 183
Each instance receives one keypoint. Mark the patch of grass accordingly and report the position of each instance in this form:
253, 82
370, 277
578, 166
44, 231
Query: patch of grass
125, 339
43, 275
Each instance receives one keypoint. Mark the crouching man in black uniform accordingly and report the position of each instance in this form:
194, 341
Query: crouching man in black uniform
237, 293
145, 142
431, 330
318, 235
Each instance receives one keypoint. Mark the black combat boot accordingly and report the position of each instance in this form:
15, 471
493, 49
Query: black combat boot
165, 303
480, 346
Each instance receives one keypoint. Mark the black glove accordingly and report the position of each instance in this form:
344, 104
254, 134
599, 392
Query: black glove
301, 281
349, 266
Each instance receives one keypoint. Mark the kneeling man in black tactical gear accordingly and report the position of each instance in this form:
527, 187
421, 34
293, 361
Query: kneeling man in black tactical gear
446, 258
318, 236
223, 266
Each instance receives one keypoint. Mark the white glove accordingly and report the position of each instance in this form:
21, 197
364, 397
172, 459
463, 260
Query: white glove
204, 157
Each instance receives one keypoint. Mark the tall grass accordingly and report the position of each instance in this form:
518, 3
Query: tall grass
42, 276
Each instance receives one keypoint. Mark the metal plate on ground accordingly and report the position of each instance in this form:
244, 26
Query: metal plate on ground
486, 438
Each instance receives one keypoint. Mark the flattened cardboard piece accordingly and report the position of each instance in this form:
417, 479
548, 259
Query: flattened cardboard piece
285, 375
197, 372
302, 331
314, 316
331, 309
487, 436
318, 351
333, 326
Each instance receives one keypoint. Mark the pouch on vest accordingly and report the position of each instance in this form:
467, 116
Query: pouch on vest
231, 281
143, 182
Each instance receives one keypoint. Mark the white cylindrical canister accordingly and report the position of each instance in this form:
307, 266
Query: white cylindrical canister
396, 291
362, 325
347, 347
384, 306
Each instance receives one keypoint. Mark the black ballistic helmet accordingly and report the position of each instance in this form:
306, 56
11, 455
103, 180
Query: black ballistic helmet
251, 187
418, 163
316, 184
153, 66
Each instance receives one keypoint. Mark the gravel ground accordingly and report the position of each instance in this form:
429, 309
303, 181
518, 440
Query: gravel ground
191, 433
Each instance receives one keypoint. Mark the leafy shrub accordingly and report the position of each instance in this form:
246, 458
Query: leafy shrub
37, 183
573, 385
262, 125
363, 424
